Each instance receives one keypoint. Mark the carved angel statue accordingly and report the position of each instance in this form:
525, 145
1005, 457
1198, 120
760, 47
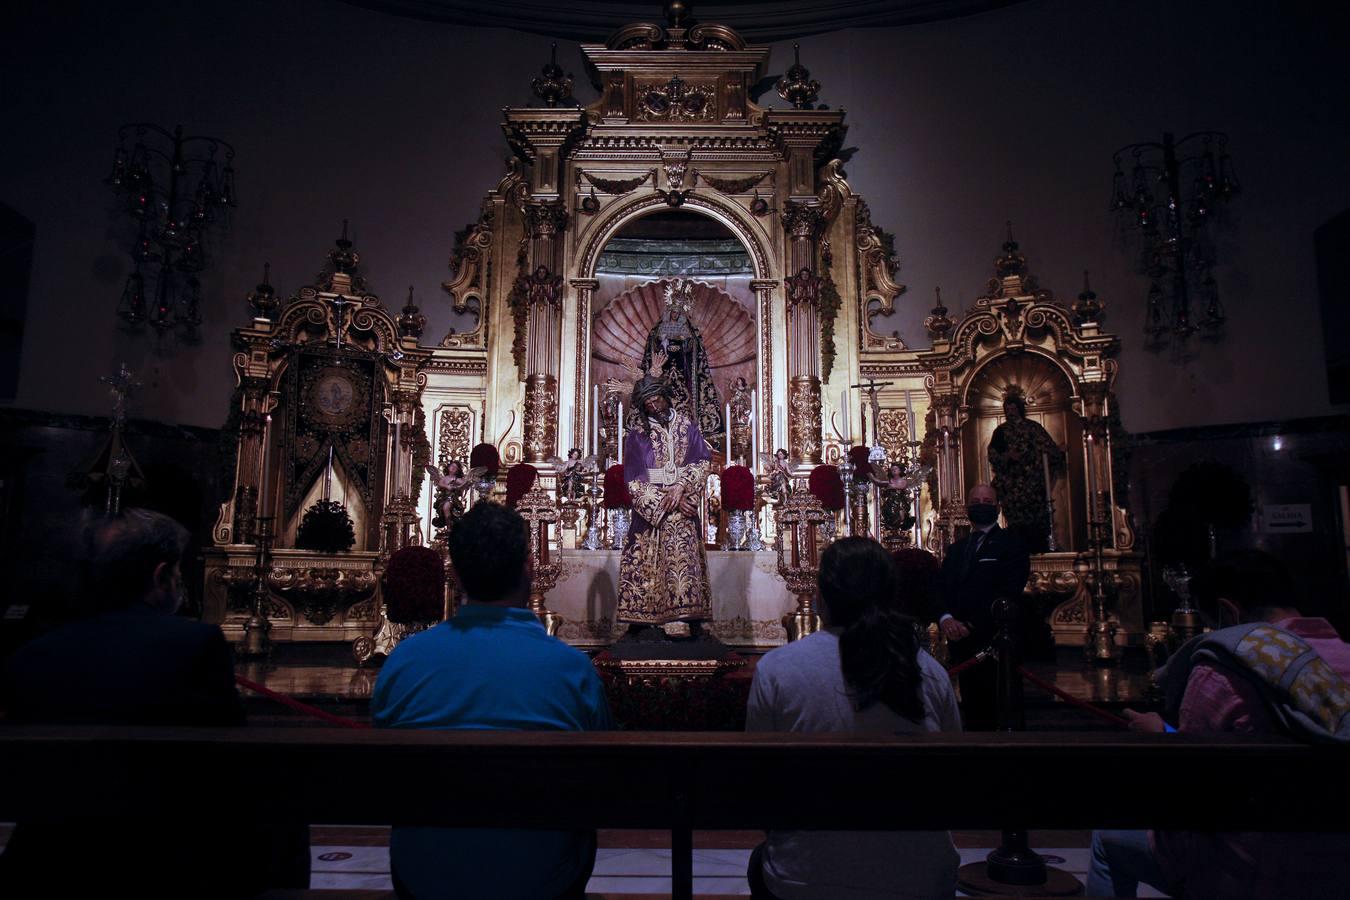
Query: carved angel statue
895, 500
451, 483
573, 473
779, 472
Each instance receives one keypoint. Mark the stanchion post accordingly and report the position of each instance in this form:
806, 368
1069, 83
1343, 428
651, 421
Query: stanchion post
1007, 646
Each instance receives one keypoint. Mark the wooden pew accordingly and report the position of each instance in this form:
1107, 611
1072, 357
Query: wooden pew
674, 781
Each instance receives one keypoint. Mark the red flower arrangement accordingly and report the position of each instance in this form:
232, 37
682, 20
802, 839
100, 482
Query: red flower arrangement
414, 586
519, 479
485, 455
861, 467
738, 488
826, 486
616, 489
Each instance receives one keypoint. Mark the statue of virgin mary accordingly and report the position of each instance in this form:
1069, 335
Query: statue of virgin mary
685, 369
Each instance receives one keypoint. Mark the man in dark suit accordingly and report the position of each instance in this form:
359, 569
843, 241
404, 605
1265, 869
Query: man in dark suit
987, 564
136, 663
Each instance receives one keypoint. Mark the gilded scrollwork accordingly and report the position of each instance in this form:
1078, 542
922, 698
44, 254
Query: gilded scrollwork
468, 284
804, 417
453, 435
893, 432
541, 416
318, 591
676, 100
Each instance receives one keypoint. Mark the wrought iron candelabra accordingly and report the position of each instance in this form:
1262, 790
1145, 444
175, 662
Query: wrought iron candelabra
175, 187
1174, 190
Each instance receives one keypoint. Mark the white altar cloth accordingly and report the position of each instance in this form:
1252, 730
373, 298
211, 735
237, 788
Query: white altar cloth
749, 598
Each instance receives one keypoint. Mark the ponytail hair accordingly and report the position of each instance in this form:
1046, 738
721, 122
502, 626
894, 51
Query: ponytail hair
879, 645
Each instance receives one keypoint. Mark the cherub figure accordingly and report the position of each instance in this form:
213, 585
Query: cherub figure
779, 472
451, 482
573, 473
896, 507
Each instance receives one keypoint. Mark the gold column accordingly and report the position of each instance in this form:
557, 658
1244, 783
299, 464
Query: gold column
543, 291
248, 489
804, 223
951, 499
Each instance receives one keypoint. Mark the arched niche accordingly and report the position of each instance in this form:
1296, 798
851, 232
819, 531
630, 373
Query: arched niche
1050, 395
632, 260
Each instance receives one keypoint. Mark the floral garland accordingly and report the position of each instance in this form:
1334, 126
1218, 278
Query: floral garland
326, 527
738, 488
421, 451
830, 302
518, 302
414, 586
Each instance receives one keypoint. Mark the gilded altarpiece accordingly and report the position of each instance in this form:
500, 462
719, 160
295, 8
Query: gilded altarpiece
675, 129
329, 409
1018, 340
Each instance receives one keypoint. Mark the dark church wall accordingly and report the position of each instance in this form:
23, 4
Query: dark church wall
43, 513
1299, 463
339, 112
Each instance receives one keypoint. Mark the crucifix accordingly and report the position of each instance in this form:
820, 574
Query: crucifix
339, 302
120, 386
871, 388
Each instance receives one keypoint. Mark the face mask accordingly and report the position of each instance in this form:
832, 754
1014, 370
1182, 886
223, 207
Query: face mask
982, 513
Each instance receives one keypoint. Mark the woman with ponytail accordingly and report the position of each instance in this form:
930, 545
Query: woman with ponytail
865, 672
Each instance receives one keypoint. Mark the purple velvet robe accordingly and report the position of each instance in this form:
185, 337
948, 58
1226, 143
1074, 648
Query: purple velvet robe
663, 575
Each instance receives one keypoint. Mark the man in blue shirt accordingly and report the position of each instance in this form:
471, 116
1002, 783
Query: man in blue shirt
491, 666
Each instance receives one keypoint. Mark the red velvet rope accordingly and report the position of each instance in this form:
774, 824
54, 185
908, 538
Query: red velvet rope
299, 707
1073, 701
974, 660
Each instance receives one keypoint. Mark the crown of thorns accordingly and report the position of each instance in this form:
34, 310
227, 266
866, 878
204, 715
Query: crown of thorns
647, 387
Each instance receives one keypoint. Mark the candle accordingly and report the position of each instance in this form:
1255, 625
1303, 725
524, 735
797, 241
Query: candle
1045, 464
754, 428
728, 432
618, 433
913, 426
595, 422
265, 458
1092, 480
328, 476
398, 426
848, 423
780, 426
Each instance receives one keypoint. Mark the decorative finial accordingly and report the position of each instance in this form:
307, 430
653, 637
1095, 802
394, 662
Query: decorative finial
796, 86
551, 86
263, 298
677, 11
939, 325
411, 322
1011, 262
344, 258
1087, 309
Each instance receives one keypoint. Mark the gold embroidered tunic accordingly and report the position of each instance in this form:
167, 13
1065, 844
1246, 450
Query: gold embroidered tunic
663, 574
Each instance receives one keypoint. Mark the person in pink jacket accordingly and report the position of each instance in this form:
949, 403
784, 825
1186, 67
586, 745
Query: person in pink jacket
1278, 672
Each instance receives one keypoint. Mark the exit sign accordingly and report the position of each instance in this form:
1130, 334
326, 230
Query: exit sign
1288, 518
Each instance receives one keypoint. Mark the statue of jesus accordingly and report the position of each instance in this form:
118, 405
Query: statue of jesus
663, 573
